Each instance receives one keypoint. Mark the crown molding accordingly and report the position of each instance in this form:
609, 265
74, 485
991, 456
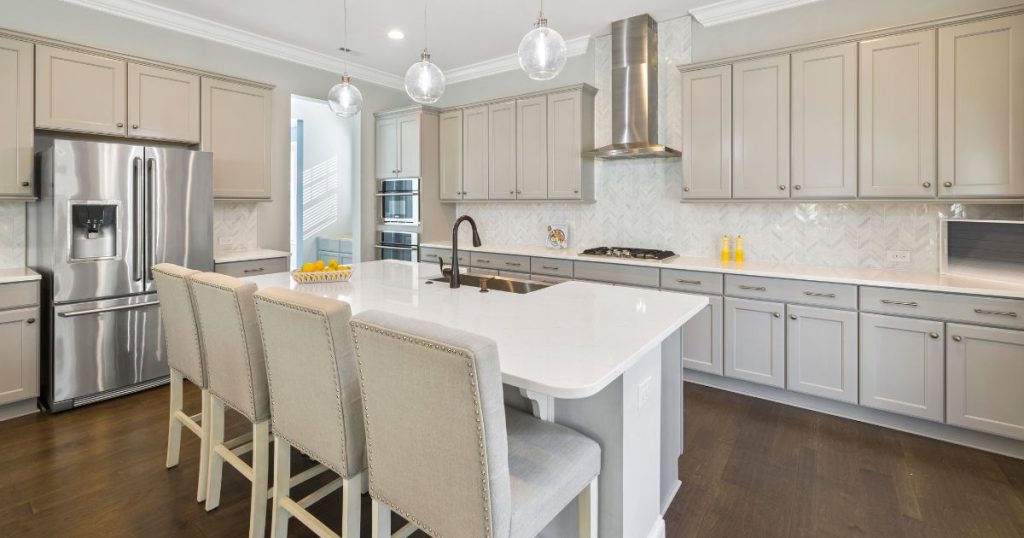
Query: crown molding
576, 46
734, 10
177, 21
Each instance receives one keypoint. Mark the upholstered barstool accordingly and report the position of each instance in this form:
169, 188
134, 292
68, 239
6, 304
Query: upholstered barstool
445, 453
237, 377
314, 403
185, 359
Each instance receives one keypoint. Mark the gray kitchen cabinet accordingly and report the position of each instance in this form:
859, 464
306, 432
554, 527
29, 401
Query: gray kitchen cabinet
431, 255
760, 128
397, 146
252, 267
755, 341
897, 116
707, 133
981, 120
824, 122
532, 148
80, 91
902, 365
16, 104
19, 358
702, 339
984, 369
551, 266
613, 273
499, 262
570, 116
235, 127
475, 153
386, 148
450, 155
501, 140
163, 104
821, 352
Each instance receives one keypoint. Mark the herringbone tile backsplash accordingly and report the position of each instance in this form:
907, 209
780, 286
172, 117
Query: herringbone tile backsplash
12, 234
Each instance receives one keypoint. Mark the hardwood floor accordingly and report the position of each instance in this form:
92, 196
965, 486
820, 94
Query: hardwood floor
751, 468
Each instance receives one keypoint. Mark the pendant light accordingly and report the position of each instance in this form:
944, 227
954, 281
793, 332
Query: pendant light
542, 52
424, 81
345, 99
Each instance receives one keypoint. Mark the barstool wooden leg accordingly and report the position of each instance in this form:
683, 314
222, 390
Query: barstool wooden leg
351, 505
260, 472
381, 520
204, 448
587, 511
216, 461
173, 426
282, 481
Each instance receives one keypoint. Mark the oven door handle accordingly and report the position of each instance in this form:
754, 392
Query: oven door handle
77, 313
399, 193
389, 247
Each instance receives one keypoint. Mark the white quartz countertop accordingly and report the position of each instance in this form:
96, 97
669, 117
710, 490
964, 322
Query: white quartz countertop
12, 275
865, 277
248, 255
568, 341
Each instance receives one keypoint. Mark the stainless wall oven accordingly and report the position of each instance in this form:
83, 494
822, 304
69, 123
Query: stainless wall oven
398, 245
398, 201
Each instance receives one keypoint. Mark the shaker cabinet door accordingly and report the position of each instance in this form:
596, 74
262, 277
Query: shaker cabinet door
163, 104
76, 91
702, 339
760, 128
821, 352
502, 149
450, 158
984, 369
901, 365
897, 116
19, 357
981, 109
565, 145
532, 148
386, 148
16, 129
475, 158
707, 133
407, 162
236, 128
755, 341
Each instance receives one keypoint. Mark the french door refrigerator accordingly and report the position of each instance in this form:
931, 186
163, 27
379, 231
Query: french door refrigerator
107, 213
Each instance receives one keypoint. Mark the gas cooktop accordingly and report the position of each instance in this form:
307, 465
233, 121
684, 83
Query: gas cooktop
626, 252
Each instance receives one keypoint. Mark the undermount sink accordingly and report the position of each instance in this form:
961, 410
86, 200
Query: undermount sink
497, 283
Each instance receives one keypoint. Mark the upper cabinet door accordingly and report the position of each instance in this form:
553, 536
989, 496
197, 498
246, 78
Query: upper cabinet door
475, 157
502, 149
16, 129
565, 145
897, 116
162, 104
408, 157
387, 148
760, 128
707, 133
236, 128
450, 147
981, 108
532, 147
824, 125
80, 92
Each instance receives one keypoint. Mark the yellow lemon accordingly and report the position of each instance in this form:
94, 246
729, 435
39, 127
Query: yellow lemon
332, 264
308, 267
344, 267
319, 265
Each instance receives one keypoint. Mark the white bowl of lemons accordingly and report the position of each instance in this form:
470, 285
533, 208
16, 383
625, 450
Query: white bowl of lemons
318, 271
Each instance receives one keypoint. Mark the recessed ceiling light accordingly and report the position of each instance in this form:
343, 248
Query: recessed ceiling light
396, 34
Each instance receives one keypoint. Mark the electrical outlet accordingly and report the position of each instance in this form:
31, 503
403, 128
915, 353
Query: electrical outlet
643, 393
226, 241
898, 257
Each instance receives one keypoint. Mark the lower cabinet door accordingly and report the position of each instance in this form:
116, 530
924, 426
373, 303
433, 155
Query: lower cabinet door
984, 370
901, 365
702, 339
821, 352
755, 341
19, 357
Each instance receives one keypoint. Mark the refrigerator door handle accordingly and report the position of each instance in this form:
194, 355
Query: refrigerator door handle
137, 229
149, 217
76, 313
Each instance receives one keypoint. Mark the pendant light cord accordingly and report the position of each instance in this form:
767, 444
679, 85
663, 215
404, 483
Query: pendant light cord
344, 43
426, 34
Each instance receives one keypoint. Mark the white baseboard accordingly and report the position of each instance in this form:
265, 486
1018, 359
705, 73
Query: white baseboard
925, 428
18, 409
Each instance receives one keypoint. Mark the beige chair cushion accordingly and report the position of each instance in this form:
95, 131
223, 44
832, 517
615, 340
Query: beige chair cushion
311, 372
435, 425
231, 341
178, 318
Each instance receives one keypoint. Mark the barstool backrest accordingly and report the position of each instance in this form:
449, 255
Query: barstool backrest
435, 424
178, 317
311, 372
231, 342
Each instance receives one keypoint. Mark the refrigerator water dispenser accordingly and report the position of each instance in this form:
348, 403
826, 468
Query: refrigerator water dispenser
93, 231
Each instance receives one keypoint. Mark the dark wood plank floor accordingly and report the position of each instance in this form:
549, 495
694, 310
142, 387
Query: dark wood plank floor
751, 468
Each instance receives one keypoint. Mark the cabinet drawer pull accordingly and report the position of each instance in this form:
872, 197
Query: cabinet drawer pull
550, 267
257, 270
819, 294
513, 264
752, 288
994, 312
691, 282
956, 338
934, 335
901, 303
483, 261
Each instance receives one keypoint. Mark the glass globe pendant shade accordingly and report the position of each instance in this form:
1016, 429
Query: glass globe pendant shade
542, 52
345, 99
424, 81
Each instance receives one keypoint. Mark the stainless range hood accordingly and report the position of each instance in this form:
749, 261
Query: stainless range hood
634, 92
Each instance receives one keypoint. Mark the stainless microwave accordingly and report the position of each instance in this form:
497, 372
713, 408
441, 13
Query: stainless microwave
398, 201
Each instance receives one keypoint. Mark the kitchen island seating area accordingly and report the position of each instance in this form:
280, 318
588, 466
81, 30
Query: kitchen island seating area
445, 453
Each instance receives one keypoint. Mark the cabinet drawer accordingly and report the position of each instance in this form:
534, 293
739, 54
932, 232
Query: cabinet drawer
551, 266
647, 277
691, 281
946, 306
793, 291
19, 294
430, 255
500, 262
253, 267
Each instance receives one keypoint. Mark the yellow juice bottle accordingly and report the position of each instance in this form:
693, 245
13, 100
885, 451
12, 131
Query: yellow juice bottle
739, 249
725, 249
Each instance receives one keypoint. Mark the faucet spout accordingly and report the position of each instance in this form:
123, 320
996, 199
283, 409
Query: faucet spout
453, 282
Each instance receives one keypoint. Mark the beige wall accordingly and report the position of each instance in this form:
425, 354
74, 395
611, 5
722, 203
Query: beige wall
59, 20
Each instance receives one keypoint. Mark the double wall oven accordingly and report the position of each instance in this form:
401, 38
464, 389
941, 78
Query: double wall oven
398, 217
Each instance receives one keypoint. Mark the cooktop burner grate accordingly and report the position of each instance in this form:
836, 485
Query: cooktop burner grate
629, 252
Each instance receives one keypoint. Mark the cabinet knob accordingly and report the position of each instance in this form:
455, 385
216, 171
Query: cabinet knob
933, 335
927, 184
119, 124
576, 191
25, 183
782, 187
797, 187
947, 184
956, 338
776, 314
511, 192
135, 126
30, 321
792, 316
686, 189
519, 192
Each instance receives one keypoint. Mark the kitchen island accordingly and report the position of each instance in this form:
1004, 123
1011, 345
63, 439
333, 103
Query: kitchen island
602, 359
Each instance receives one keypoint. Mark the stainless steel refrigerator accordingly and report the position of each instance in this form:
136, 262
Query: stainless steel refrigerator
108, 212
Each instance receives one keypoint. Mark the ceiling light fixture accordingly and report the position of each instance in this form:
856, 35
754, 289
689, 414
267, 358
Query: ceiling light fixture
424, 81
396, 34
542, 52
344, 98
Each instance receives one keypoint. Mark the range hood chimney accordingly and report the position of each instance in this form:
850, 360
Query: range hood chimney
634, 92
